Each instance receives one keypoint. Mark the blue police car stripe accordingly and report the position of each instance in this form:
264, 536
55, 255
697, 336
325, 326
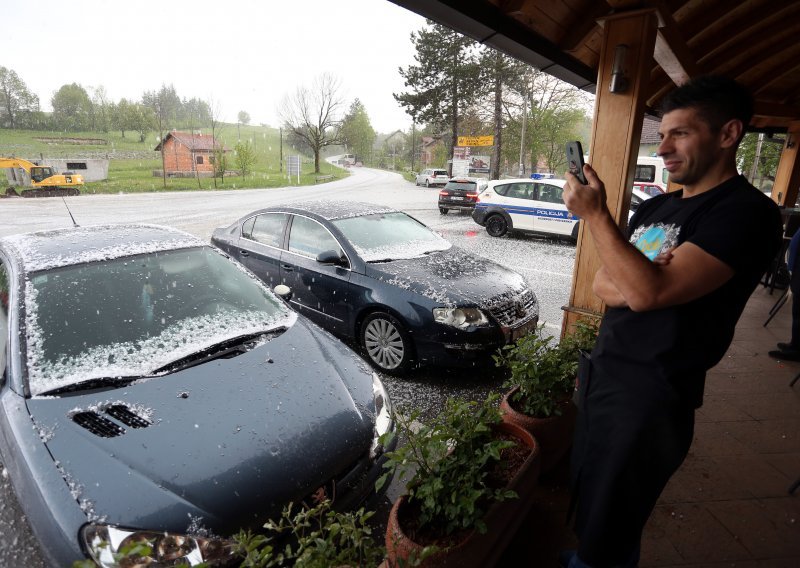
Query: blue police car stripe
534, 211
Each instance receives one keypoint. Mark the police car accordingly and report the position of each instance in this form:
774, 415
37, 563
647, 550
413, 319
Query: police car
531, 206
525, 205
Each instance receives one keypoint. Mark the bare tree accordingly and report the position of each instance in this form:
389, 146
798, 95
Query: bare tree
312, 114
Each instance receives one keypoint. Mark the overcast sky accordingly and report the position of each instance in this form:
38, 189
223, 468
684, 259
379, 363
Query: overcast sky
245, 54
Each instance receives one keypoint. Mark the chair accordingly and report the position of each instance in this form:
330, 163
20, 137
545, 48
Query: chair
787, 292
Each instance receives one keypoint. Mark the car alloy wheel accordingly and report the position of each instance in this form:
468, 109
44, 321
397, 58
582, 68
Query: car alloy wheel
496, 225
386, 342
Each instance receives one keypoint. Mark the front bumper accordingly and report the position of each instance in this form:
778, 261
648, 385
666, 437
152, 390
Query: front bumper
479, 215
464, 349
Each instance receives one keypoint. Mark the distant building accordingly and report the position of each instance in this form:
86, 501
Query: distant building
649, 141
186, 154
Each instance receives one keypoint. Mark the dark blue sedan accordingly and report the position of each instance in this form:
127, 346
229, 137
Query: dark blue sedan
378, 276
155, 392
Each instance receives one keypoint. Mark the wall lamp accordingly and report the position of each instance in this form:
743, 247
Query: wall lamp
619, 79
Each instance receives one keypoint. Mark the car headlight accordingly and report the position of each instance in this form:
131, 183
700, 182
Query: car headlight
383, 416
114, 547
460, 317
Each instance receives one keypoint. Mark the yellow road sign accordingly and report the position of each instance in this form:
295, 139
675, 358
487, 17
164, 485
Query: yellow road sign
476, 140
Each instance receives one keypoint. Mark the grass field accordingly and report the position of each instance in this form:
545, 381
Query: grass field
131, 162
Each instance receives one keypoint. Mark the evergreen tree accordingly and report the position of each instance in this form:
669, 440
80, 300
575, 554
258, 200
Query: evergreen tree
357, 132
444, 81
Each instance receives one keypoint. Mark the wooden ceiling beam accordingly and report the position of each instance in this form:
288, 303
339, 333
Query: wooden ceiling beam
582, 25
762, 17
512, 7
671, 51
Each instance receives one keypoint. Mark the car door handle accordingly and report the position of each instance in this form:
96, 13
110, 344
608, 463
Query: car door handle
287, 267
244, 253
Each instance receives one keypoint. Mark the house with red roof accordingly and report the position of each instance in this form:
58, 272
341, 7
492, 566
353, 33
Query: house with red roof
187, 153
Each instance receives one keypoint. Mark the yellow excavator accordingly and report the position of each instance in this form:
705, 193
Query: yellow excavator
43, 181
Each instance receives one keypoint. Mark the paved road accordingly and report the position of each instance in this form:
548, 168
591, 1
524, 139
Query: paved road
545, 264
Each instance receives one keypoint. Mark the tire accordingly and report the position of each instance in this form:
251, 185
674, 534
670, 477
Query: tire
443, 210
575, 230
496, 225
427, 183
386, 343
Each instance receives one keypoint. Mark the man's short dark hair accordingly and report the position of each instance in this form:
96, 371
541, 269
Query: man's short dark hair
717, 99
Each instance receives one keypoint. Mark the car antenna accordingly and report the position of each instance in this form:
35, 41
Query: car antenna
70, 212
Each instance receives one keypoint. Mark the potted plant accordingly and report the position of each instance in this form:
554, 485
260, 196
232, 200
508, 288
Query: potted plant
541, 381
312, 537
468, 474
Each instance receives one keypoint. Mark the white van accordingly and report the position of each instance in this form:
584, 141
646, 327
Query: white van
651, 170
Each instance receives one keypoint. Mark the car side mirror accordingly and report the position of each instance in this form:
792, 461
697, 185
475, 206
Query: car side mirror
283, 292
331, 257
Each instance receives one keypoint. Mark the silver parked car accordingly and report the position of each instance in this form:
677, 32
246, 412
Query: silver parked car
431, 177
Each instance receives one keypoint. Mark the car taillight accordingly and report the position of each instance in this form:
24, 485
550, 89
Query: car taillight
472, 195
442, 193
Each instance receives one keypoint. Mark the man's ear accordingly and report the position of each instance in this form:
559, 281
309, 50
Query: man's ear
730, 133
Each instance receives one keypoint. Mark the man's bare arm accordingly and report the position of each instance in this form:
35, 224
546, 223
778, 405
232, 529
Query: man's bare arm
605, 289
644, 285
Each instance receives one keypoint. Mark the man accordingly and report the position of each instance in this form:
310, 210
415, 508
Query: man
791, 351
675, 289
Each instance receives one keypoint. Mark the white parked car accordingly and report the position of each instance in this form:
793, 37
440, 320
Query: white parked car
530, 206
431, 177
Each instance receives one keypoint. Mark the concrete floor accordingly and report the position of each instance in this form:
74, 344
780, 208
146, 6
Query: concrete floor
729, 504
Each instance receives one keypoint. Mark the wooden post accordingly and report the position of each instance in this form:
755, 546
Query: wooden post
787, 178
614, 145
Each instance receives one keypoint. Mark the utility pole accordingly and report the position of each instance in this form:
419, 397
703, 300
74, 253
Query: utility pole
413, 148
524, 125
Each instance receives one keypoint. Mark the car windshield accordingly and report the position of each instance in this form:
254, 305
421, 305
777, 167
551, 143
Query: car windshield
129, 316
390, 236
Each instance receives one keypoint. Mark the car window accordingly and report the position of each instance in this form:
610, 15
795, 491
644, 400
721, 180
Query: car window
440, 172
467, 185
645, 173
308, 238
635, 202
501, 189
268, 229
131, 315
520, 191
5, 290
549, 193
389, 236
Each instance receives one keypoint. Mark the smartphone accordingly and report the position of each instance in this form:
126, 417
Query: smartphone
575, 160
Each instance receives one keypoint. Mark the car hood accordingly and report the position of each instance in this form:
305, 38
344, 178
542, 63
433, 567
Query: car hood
452, 276
229, 441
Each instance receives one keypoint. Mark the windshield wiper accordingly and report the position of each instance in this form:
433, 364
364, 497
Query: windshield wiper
377, 260
224, 349
89, 384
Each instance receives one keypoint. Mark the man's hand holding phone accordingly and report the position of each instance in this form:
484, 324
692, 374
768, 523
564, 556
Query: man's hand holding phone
584, 199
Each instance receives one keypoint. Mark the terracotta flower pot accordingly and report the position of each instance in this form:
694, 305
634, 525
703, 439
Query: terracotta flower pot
472, 549
554, 433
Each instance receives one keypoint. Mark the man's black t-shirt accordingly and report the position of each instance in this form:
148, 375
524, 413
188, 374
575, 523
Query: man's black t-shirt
734, 222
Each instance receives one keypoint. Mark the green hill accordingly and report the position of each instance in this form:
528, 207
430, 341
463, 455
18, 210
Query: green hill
131, 162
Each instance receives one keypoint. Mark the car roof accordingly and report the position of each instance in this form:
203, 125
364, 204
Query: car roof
328, 209
48, 249
641, 194
551, 181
